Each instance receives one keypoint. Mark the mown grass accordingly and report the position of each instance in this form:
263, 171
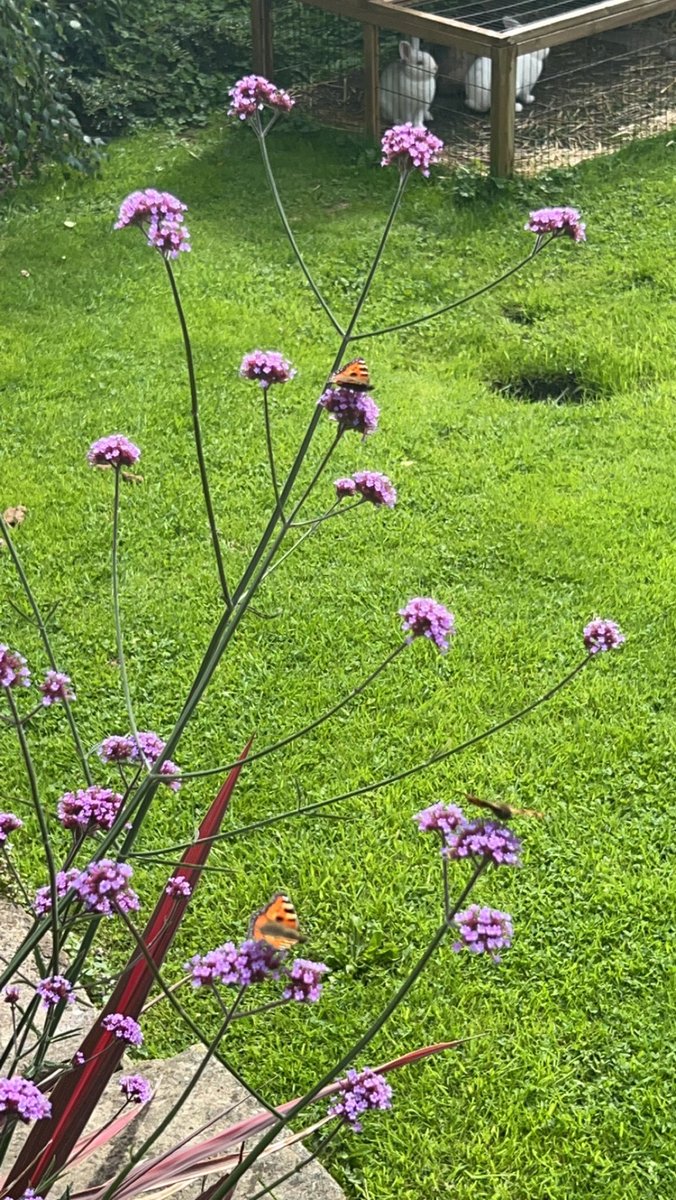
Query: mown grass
525, 518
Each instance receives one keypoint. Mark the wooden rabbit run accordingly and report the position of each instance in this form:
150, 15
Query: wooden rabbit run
491, 56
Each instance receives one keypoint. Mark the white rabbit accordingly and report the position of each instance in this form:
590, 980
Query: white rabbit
528, 70
407, 86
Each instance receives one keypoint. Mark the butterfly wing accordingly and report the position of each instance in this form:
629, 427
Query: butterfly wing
277, 923
354, 374
504, 811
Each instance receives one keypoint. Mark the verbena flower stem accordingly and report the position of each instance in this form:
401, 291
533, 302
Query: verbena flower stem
22, 1028
295, 1170
137, 1155
287, 228
329, 515
271, 454
39, 959
44, 830
115, 573
447, 892
337, 1070
299, 733
440, 756
44, 634
197, 433
437, 312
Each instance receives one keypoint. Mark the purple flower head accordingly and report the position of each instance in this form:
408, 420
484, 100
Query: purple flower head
13, 670
236, 966
304, 981
135, 1088
21, 1097
485, 839
360, 1091
345, 488
351, 409
178, 886
562, 222
54, 989
55, 688
117, 749
601, 635
169, 768
11, 994
375, 488
9, 822
253, 93
445, 819
266, 367
423, 617
104, 885
410, 147
160, 215
43, 897
125, 1028
484, 931
90, 809
78, 1059
113, 451
30, 1194
149, 744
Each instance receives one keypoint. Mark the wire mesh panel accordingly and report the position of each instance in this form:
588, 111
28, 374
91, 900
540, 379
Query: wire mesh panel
319, 57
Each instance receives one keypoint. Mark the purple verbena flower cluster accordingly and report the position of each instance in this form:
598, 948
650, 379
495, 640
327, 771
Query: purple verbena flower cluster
55, 688
423, 617
146, 746
178, 886
135, 1088
484, 839
304, 981
160, 215
266, 367
113, 451
104, 886
11, 994
440, 818
601, 635
117, 749
89, 809
13, 670
359, 1092
484, 931
253, 93
410, 147
352, 409
54, 989
562, 222
375, 488
9, 823
42, 903
22, 1098
235, 966
125, 1028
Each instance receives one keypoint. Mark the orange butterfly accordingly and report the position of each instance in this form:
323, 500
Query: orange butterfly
354, 374
504, 811
277, 923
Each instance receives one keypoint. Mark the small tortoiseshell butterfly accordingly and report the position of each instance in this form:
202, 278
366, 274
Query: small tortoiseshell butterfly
504, 811
355, 375
277, 923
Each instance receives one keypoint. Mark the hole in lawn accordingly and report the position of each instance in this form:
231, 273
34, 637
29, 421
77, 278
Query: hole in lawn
517, 314
555, 387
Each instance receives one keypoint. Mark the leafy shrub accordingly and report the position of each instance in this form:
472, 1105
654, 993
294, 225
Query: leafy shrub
36, 121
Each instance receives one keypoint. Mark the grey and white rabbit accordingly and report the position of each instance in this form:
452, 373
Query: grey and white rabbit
407, 86
528, 70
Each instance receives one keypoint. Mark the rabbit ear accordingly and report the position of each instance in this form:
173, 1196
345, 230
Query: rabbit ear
415, 43
511, 23
405, 51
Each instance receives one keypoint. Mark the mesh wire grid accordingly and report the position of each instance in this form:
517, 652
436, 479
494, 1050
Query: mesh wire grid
593, 95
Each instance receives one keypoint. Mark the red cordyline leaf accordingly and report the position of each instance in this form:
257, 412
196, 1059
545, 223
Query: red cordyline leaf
100, 1137
185, 1163
76, 1094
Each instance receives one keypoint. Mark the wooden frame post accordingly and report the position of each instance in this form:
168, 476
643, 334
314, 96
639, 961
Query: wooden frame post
261, 37
503, 102
371, 81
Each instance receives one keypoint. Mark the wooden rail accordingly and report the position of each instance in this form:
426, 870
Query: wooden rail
583, 22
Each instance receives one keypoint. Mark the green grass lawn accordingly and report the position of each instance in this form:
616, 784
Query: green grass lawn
525, 518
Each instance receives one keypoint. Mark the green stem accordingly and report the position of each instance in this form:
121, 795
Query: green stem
197, 432
271, 454
487, 287
42, 629
324, 1142
287, 228
337, 1070
117, 619
330, 515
